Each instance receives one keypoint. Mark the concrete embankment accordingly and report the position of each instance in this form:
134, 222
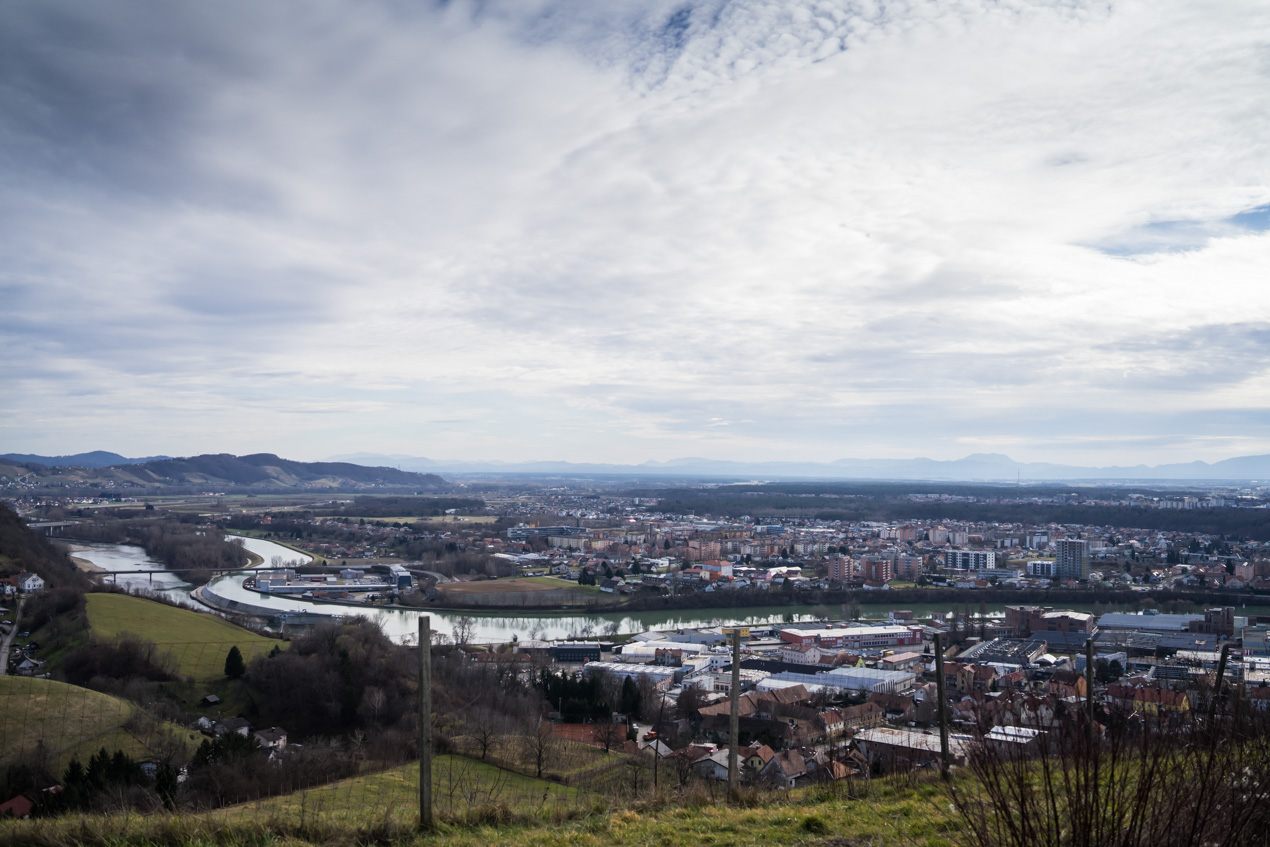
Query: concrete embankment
209, 598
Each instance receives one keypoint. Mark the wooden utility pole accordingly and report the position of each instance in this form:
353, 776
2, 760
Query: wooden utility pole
734, 720
943, 706
425, 723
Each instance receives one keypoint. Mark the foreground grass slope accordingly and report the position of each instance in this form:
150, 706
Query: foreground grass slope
883, 813
60, 721
198, 642
459, 785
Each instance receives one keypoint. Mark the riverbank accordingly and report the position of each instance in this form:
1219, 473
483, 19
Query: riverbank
85, 565
901, 598
313, 558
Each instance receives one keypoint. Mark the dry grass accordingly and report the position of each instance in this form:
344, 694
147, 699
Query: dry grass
881, 813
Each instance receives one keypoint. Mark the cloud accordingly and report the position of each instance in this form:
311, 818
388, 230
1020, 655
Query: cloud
603, 231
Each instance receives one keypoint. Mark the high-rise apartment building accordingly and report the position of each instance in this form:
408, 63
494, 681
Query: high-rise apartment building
877, 568
839, 568
1072, 559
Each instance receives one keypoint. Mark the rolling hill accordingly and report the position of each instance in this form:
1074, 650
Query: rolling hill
223, 471
63, 720
93, 459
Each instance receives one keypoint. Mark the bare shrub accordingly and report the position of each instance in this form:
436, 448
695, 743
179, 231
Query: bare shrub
1144, 783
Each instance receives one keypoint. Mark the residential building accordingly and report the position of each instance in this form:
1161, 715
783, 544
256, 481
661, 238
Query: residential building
1072, 558
877, 568
970, 560
29, 583
903, 749
839, 568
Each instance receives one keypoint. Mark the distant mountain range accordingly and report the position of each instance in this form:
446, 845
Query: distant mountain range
976, 467
95, 459
263, 471
374, 469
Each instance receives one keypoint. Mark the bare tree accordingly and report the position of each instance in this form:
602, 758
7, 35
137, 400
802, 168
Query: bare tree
483, 727
682, 764
540, 745
373, 701
610, 735
464, 629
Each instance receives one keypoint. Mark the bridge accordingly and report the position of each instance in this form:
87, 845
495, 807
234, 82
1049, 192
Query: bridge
52, 527
114, 575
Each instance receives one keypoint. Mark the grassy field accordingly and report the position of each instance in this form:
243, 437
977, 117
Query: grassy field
409, 519
877, 813
64, 720
495, 586
556, 582
458, 784
574, 763
198, 642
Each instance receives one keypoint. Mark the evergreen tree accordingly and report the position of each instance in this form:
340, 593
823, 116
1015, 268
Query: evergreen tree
235, 667
629, 701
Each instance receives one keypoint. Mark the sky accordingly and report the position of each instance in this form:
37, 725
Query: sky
628, 231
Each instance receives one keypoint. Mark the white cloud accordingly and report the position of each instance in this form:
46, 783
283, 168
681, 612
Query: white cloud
604, 232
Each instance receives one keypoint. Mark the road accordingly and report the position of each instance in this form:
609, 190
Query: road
8, 639
437, 576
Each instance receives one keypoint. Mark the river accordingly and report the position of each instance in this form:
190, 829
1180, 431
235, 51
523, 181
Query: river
402, 625
124, 560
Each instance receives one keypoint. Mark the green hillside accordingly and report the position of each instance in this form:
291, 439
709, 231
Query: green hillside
459, 785
198, 642
61, 721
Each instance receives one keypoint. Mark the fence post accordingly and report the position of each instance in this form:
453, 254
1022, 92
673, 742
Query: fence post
943, 706
1089, 688
425, 723
1217, 683
734, 719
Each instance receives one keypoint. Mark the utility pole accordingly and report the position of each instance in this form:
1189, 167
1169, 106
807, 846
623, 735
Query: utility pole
425, 723
734, 720
943, 706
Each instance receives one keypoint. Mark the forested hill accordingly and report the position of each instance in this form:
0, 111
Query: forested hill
94, 459
221, 471
21, 549
265, 468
